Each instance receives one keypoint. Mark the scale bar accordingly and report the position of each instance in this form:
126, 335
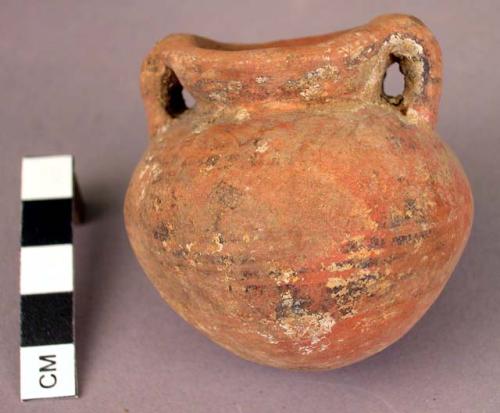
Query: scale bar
47, 353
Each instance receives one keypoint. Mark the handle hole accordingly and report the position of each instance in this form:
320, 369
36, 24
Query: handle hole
394, 81
176, 98
173, 97
393, 86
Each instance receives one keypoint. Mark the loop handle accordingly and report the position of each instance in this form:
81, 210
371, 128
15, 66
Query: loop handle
407, 41
160, 88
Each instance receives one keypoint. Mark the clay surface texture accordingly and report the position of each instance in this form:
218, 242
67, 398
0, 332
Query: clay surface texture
297, 215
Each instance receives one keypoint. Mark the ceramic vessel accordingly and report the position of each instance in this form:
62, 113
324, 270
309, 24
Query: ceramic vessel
297, 215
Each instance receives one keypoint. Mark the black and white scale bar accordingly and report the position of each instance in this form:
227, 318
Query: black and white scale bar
48, 364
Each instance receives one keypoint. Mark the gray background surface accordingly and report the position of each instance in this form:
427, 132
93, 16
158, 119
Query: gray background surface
69, 84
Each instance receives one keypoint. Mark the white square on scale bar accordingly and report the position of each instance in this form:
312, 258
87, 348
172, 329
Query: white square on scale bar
48, 371
47, 177
46, 269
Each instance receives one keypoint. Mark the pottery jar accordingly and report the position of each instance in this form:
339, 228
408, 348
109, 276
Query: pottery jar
297, 215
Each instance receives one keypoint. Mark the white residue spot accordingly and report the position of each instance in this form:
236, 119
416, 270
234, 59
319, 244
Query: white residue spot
261, 79
262, 147
242, 115
219, 241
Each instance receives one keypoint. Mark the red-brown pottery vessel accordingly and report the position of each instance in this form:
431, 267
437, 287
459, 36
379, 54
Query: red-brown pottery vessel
297, 215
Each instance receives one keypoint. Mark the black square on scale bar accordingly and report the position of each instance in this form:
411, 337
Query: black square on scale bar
46, 222
46, 319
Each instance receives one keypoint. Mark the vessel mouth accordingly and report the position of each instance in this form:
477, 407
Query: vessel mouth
194, 42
